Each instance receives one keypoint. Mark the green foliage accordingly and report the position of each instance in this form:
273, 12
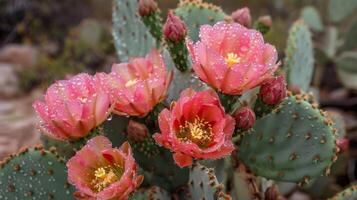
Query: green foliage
295, 143
339, 10
347, 69
152, 193
312, 17
196, 13
203, 184
330, 42
351, 40
34, 174
348, 194
179, 54
131, 37
299, 60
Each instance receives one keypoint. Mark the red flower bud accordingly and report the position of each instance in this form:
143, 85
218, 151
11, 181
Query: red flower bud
242, 16
273, 90
272, 193
174, 28
136, 131
343, 144
245, 118
147, 7
265, 20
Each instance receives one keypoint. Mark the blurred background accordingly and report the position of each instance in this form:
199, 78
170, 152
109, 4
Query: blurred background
45, 40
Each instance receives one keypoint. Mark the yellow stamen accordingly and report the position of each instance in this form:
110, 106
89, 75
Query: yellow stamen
131, 82
104, 176
232, 59
198, 131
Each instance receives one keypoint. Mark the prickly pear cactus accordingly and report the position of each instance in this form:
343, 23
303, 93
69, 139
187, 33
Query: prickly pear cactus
34, 174
295, 143
339, 10
131, 37
203, 184
152, 193
348, 194
299, 60
196, 13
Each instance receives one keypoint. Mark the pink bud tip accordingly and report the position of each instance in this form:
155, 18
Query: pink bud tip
273, 90
343, 144
174, 28
136, 131
242, 16
245, 118
265, 20
147, 7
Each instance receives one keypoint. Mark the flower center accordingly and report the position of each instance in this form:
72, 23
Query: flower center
232, 59
105, 176
131, 82
198, 131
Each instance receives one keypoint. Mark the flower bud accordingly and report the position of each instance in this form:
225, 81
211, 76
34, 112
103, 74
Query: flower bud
245, 118
242, 16
265, 20
272, 193
147, 7
273, 90
343, 144
136, 131
174, 28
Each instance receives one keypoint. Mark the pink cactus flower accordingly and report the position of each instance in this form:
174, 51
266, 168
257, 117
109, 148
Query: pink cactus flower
72, 108
232, 58
136, 87
245, 118
196, 126
174, 28
242, 16
273, 90
100, 172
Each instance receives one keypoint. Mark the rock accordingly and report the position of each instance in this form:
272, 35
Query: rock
9, 82
22, 56
17, 125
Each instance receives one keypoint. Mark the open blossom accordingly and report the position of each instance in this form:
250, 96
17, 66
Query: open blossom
232, 58
136, 87
196, 126
100, 172
72, 108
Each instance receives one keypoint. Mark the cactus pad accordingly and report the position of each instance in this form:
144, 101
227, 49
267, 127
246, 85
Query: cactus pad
34, 174
152, 193
131, 37
339, 10
203, 184
295, 143
348, 194
196, 13
299, 60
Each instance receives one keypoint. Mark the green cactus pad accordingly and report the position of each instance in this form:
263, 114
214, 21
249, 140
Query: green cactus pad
67, 149
131, 37
196, 13
152, 193
153, 22
312, 17
347, 70
203, 184
348, 194
34, 174
299, 60
339, 10
295, 143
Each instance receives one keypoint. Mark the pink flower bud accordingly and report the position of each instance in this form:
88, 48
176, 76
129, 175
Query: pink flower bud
265, 20
242, 16
343, 144
136, 131
273, 90
174, 28
272, 193
245, 118
147, 7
